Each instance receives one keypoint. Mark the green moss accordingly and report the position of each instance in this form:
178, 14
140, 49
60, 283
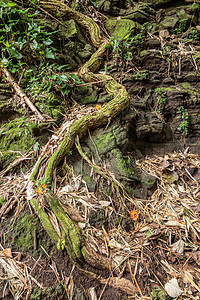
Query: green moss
23, 232
2, 201
50, 293
159, 293
190, 89
169, 22
91, 183
50, 104
105, 142
16, 138
69, 30
120, 28
124, 165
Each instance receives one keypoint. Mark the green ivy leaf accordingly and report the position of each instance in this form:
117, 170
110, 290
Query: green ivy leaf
63, 78
36, 146
7, 44
48, 42
1, 12
34, 44
49, 54
11, 4
15, 53
4, 61
54, 76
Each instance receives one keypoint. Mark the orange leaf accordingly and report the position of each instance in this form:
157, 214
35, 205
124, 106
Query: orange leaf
134, 215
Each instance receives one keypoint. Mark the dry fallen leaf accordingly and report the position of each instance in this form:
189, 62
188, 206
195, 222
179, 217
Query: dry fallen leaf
104, 203
178, 247
172, 223
172, 288
92, 293
196, 257
6, 252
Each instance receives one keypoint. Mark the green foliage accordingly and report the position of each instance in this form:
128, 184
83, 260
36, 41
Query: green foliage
141, 75
139, 39
166, 50
25, 42
2, 201
22, 38
121, 48
183, 116
49, 86
193, 34
161, 99
95, 3
182, 26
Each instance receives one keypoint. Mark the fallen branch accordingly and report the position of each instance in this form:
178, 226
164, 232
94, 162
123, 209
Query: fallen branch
21, 93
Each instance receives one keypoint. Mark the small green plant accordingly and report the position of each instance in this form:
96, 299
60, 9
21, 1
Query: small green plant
161, 99
193, 34
121, 48
183, 116
42, 187
166, 50
95, 3
60, 244
182, 26
141, 75
139, 39
50, 76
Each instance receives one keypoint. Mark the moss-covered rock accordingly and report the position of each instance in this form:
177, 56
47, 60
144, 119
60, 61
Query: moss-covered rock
90, 182
123, 166
107, 139
23, 232
86, 52
169, 22
16, 138
85, 94
120, 28
105, 142
69, 30
140, 13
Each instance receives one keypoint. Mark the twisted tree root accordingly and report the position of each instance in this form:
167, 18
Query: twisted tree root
68, 231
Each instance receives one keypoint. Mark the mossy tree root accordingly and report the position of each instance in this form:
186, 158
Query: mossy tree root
120, 101
61, 10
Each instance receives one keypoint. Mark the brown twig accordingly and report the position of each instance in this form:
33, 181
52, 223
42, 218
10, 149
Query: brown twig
21, 93
134, 279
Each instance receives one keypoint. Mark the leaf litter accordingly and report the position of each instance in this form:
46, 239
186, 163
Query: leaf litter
160, 249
